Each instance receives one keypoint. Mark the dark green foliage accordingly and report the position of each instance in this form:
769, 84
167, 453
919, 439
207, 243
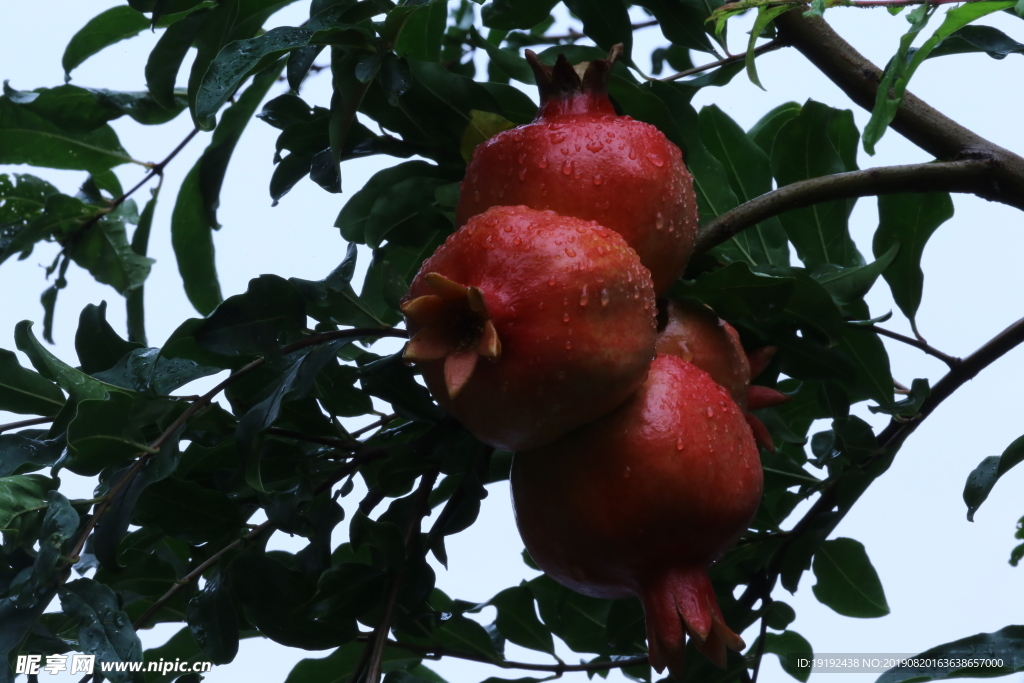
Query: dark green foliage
182, 482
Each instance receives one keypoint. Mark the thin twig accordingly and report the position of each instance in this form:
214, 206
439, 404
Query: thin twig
889, 440
949, 360
340, 444
744, 5
373, 425
760, 50
437, 652
759, 653
25, 423
373, 654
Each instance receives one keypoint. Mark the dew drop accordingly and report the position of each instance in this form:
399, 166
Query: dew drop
508, 228
605, 297
636, 292
570, 252
557, 138
551, 281
568, 346
584, 299
632, 155
595, 146
659, 221
598, 179
680, 444
627, 473
565, 318
522, 158
543, 163
656, 160
567, 167
711, 411
541, 307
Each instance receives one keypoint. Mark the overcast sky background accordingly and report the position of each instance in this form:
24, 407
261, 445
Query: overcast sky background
944, 578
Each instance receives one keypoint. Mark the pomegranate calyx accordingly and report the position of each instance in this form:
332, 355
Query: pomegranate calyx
760, 358
567, 90
455, 326
765, 397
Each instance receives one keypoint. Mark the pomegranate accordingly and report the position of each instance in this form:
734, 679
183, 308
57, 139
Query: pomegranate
641, 502
693, 332
559, 307
580, 159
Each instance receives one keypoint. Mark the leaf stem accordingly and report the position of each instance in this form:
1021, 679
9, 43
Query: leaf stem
949, 360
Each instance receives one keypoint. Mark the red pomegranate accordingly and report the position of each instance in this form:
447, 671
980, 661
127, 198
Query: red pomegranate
578, 158
693, 332
559, 307
641, 502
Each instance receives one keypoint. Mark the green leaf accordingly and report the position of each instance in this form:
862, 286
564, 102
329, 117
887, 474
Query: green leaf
507, 15
819, 141
338, 666
391, 380
749, 172
212, 620
683, 22
332, 300
113, 525
103, 249
134, 301
105, 432
104, 630
981, 480
354, 216
268, 315
103, 30
81, 110
24, 451
149, 371
765, 16
606, 22
423, 33
846, 580
874, 376
27, 138
767, 128
25, 392
968, 39
850, 285
482, 127
195, 211
899, 71
979, 647
98, 346
80, 385
909, 220
20, 494
517, 619
166, 57
791, 647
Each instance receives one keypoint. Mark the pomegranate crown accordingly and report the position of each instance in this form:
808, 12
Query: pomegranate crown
566, 89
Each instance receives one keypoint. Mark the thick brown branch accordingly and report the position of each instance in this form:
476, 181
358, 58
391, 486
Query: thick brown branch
975, 176
920, 123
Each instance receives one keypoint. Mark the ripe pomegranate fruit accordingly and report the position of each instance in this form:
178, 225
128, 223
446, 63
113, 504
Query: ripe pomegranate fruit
578, 158
641, 502
559, 307
693, 332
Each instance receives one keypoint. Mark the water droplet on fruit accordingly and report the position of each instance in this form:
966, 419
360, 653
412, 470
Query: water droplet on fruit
659, 221
584, 299
595, 146
508, 228
522, 158
629, 276
632, 155
541, 307
578, 148
680, 444
567, 167
568, 346
564, 151
598, 179
551, 281
711, 411
570, 252
517, 135
636, 292
605, 297
556, 138
627, 473
565, 318
517, 240
656, 160
543, 163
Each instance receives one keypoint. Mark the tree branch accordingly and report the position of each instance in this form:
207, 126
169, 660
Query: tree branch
373, 653
920, 123
759, 50
975, 176
951, 361
437, 652
25, 423
889, 441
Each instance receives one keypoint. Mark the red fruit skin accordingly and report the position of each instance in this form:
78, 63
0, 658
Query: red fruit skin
574, 311
693, 332
641, 502
579, 159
